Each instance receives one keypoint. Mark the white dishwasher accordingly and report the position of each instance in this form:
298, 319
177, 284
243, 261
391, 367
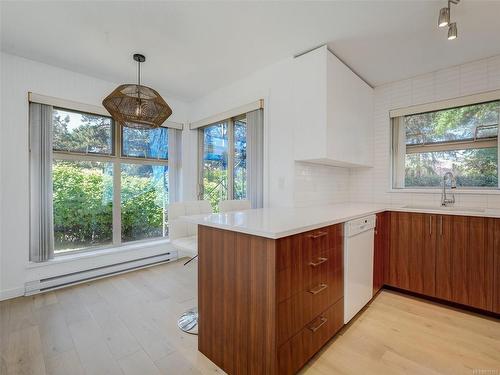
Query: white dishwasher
358, 264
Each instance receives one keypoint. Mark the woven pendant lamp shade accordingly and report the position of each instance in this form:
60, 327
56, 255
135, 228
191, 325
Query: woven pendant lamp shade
137, 106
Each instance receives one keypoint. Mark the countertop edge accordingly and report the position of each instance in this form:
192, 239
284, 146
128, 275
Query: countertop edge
339, 219
291, 232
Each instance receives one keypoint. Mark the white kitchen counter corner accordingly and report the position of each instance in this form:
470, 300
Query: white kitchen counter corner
281, 222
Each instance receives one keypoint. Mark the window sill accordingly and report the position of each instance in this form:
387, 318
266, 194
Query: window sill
99, 252
439, 191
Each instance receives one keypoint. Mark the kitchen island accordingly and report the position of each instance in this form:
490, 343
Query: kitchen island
270, 285
270, 281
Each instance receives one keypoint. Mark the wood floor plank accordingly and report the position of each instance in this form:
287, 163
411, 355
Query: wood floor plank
64, 364
127, 325
138, 363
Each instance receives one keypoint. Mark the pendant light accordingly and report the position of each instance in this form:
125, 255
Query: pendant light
135, 105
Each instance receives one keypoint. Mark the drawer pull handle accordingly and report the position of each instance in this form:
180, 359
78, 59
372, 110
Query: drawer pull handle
320, 261
314, 328
319, 289
318, 235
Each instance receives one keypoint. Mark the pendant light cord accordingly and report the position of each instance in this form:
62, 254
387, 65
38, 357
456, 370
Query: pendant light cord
139, 83
139, 73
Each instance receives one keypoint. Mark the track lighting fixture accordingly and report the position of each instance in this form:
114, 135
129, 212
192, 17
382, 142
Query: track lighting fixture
452, 31
444, 17
444, 20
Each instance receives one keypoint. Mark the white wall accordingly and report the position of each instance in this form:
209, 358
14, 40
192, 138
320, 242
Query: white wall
286, 183
271, 84
374, 184
18, 76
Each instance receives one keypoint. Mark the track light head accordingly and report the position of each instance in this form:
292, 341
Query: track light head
444, 17
452, 31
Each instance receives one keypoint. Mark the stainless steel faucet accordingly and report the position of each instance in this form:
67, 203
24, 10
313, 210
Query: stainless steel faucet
445, 201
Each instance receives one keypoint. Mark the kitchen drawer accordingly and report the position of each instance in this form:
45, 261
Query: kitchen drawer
307, 271
295, 312
293, 354
307, 246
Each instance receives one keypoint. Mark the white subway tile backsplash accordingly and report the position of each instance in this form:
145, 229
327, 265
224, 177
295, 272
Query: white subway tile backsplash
494, 202
317, 184
473, 77
423, 89
443, 84
447, 83
493, 64
471, 200
401, 94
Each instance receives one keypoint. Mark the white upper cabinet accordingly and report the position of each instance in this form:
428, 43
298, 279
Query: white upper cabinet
333, 111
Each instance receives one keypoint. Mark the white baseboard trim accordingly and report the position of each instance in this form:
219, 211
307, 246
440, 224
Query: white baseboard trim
11, 293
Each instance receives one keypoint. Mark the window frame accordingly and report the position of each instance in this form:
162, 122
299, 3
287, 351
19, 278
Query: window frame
472, 143
230, 123
116, 158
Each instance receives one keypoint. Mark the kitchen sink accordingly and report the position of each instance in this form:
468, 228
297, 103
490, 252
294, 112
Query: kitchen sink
443, 208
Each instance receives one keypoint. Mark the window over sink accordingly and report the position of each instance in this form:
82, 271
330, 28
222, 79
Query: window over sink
462, 140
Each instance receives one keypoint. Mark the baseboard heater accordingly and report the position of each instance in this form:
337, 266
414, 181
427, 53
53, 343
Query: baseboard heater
57, 282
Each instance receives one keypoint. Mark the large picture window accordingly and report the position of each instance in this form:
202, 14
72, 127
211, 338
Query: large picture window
110, 184
461, 140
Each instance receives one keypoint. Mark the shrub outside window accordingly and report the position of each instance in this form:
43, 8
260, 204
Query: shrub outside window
110, 185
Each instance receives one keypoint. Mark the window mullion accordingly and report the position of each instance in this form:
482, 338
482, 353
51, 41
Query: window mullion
117, 188
117, 219
230, 159
201, 144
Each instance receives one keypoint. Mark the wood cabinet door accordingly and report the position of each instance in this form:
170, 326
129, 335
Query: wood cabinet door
496, 265
412, 252
451, 258
400, 242
381, 251
422, 254
479, 263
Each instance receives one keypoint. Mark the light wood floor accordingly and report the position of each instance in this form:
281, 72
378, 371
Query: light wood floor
127, 325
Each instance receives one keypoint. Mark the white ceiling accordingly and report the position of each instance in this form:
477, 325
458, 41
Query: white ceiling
193, 48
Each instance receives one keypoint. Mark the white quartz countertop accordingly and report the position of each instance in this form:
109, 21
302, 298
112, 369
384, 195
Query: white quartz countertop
281, 222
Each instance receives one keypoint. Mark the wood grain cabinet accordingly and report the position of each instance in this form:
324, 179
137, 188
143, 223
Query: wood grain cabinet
267, 306
422, 254
400, 241
454, 258
464, 261
479, 263
412, 252
381, 251
496, 266
451, 255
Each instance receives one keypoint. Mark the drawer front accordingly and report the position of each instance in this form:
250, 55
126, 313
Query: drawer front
308, 244
316, 241
294, 313
294, 354
307, 272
